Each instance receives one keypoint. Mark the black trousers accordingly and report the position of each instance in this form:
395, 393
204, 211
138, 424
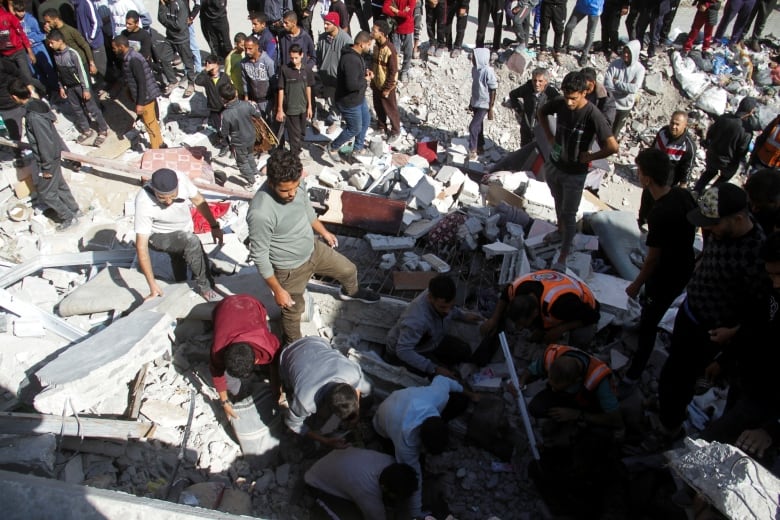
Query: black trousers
555, 14
669, 19
460, 24
55, 193
163, 55
490, 10
184, 51
656, 303
610, 25
690, 353
355, 7
435, 23
13, 122
296, 131
184, 249
620, 120
760, 13
217, 34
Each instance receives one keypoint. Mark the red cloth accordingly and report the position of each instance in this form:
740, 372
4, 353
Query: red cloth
240, 319
12, 36
200, 224
405, 16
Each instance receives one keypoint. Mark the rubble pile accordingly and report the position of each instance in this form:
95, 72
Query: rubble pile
79, 341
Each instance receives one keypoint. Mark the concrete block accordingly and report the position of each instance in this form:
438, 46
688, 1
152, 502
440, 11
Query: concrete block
39, 291
446, 173
360, 180
103, 363
388, 243
388, 261
442, 203
609, 290
164, 413
73, 472
28, 454
60, 278
491, 227
228, 258
29, 327
424, 266
328, 177
410, 216
455, 182
439, 265
580, 264
473, 224
426, 191
469, 192
459, 145
411, 175
498, 249
419, 228
617, 360
467, 239
457, 159
114, 288
420, 162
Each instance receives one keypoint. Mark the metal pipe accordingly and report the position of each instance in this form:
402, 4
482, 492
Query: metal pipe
529, 431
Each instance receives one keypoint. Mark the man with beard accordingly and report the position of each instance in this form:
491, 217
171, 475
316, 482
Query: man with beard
722, 296
282, 224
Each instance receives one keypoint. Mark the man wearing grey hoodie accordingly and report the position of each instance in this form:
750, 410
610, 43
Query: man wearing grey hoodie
483, 95
623, 79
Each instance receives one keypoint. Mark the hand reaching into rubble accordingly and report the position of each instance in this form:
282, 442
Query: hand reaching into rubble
228, 408
755, 441
154, 291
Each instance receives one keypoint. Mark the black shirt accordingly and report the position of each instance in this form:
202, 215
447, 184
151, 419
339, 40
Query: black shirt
294, 83
670, 231
575, 130
141, 41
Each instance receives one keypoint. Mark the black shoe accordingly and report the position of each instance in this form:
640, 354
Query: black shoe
362, 295
19, 162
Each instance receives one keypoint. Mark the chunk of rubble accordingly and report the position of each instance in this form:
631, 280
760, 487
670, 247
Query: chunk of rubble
438, 265
83, 375
388, 243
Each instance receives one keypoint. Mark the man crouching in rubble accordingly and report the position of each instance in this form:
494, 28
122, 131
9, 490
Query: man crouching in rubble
241, 341
419, 340
163, 222
550, 303
319, 381
579, 389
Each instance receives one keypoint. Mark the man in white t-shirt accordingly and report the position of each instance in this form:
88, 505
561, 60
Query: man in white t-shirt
163, 222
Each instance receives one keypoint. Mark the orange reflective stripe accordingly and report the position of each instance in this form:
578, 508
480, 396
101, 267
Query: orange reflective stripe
552, 352
597, 370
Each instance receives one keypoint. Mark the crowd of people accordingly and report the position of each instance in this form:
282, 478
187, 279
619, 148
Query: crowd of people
79, 52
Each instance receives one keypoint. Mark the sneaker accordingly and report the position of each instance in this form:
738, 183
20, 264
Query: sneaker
62, 226
393, 139
223, 151
473, 156
100, 139
363, 152
212, 296
333, 155
583, 61
362, 295
455, 53
190, 90
170, 88
86, 135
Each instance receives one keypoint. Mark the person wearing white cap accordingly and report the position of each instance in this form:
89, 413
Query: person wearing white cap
164, 223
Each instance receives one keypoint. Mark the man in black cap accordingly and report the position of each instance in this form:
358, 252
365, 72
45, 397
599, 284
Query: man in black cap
163, 222
725, 290
727, 143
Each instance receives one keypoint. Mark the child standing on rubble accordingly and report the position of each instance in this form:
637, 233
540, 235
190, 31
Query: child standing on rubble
483, 95
707, 17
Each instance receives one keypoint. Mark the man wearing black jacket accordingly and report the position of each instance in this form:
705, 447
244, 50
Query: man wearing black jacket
174, 16
215, 27
599, 96
353, 78
727, 143
238, 129
528, 97
212, 80
47, 146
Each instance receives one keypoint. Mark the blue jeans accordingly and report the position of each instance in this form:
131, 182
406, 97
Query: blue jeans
566, 190
357, 118
195, 50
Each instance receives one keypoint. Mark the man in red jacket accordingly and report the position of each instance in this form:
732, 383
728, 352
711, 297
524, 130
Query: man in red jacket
241, 341
15, 45
403, 39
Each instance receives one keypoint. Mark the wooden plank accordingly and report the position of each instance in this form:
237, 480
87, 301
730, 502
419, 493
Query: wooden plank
368, 212
496, 195
412, 280
72, 426
136, 394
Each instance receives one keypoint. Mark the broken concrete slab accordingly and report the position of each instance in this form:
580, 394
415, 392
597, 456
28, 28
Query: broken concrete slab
26, 496
729, 480
114, 288
411, 175
385, 378
388, 243
111, 358
28, 453
164, 413
498, 249
419, 228
609, 290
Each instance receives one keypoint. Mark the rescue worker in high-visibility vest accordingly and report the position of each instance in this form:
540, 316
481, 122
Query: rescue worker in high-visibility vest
579, 388
550, 303
766, 152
